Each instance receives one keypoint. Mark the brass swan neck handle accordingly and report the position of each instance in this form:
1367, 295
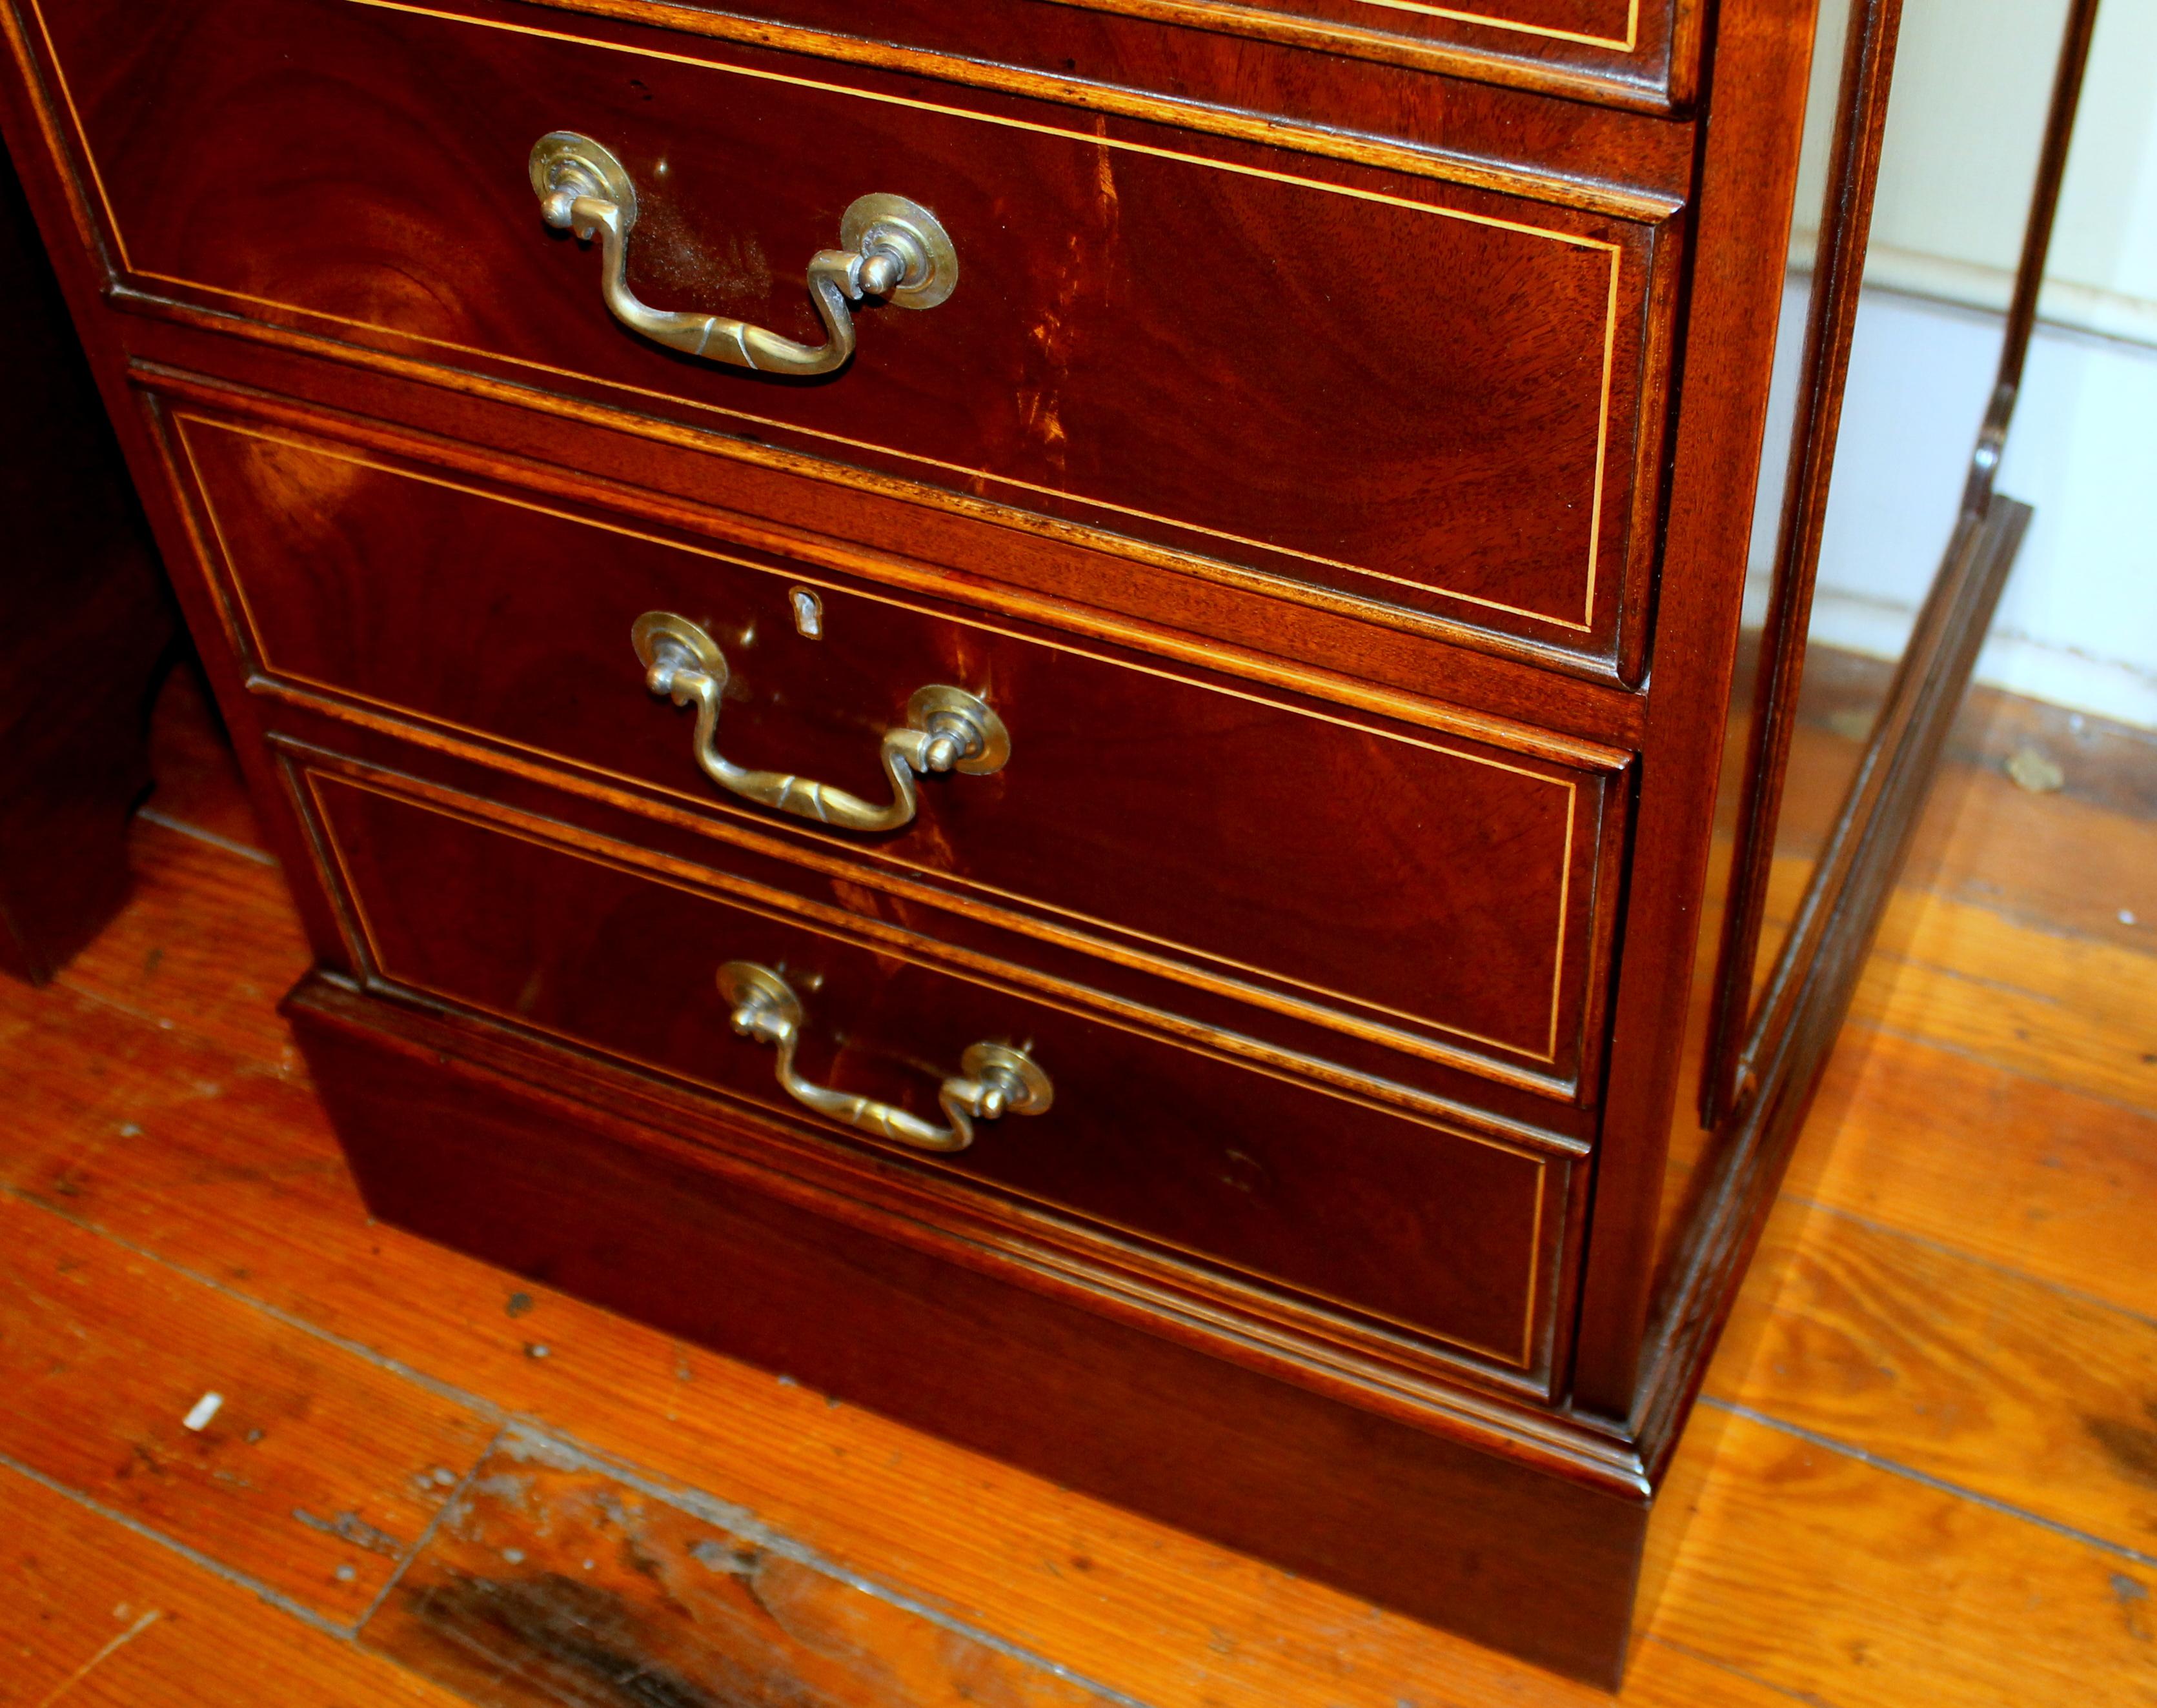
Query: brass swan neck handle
946, 730
993, 1080
889, 247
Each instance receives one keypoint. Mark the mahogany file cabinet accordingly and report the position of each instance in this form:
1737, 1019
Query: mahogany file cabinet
1013, 706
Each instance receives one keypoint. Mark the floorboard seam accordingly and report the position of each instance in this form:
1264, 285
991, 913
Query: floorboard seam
2109, 1099
241, 1057
150, 814
740, 1521
427, 1534
1807, 1697
1888, 961
709, 1508
2039, 925
1945, 1249
488, 1409
1895, 1468
194, 1556
159, 1023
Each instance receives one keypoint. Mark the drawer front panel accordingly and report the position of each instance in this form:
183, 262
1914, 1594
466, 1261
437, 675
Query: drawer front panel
1613, 25
1434, 890
1281, 1184
1637, 53
1409, 394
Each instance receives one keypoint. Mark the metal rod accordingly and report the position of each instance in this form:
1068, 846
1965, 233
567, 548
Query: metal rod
2036, 246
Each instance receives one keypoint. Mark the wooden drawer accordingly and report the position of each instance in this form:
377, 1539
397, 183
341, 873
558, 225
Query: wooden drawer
1635, 53
1419, 401
1627, 40
1267, 1181
1410, 889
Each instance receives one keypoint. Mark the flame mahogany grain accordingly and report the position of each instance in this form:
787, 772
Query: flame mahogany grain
1446, 888
1357, 385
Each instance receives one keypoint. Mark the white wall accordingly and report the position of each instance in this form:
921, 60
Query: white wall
2078, 624
1972, 83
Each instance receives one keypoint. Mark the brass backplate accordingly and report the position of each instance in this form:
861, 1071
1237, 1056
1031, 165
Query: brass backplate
745, 984
1035, 1093
924, 703
655, 628
938, 276
561, 154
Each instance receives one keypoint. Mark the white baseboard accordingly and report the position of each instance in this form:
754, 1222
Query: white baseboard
2063, 302
2078, 624
2057, 675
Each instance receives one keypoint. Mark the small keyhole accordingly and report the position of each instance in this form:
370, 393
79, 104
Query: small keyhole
808, 612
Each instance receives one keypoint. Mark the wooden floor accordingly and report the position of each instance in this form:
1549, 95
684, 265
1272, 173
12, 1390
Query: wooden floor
253, 1450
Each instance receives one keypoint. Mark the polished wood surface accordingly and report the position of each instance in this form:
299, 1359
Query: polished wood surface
450, 1136
680, 845
1314, 61
1954, 1305
1408, 395
351, 150
1588, 33
84, 621
1447, 1233
1442, 891
659, 478
1739, 278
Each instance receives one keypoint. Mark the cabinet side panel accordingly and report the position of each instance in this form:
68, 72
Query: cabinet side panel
1757, 77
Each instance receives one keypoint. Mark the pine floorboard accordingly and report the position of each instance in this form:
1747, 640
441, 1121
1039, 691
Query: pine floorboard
1926, 1471
101, 1616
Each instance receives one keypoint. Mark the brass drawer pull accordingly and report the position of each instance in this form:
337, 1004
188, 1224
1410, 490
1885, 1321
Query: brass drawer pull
889, 247
946, 730
993, 1080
